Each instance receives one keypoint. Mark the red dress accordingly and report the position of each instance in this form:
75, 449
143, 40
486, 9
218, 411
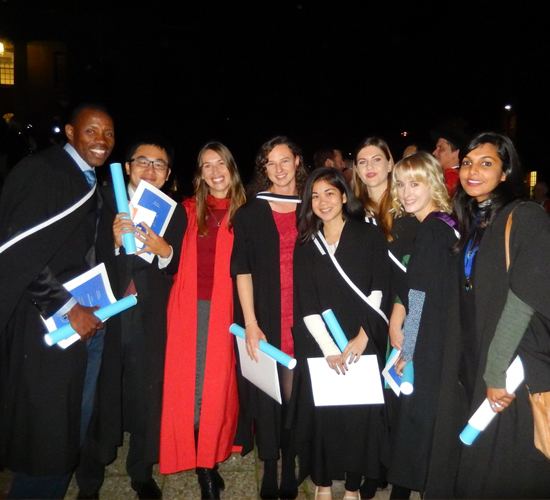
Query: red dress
220, 407
286, 227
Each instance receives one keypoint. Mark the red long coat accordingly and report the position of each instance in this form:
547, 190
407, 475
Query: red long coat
220, 407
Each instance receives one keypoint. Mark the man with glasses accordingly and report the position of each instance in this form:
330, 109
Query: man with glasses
129, 394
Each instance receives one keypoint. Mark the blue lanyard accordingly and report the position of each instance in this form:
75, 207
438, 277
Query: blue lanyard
469, 259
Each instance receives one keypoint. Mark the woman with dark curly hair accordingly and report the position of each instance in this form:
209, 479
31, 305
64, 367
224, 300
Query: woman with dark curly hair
261, 264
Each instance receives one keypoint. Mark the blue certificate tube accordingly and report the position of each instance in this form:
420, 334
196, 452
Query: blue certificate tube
407, 381
266, 348
335, 329
121, 197
104, 313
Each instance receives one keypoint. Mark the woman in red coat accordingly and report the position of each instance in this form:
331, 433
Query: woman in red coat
200, 407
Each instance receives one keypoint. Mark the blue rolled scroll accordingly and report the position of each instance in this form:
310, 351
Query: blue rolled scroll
121, 197
266, 348
104, 313
407, 380
335, 329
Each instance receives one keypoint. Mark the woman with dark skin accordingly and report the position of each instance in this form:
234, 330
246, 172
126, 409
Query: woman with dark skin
504, 311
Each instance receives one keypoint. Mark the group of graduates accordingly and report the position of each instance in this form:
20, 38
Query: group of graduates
402, 259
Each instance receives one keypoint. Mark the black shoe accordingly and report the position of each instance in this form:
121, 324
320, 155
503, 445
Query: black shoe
208, 482
288, 493
268, 489
82, 496
219, 479
147, 490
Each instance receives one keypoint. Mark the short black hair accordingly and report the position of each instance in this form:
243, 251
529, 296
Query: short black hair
88, 105
152, 140
322, 155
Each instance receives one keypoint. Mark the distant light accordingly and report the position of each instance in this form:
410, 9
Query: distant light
56, 130
508, 107
404, 134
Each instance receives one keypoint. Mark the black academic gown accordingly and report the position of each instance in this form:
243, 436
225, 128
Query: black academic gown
431, 270
334, 440
41, 386
129, 394
503, 461
256, 252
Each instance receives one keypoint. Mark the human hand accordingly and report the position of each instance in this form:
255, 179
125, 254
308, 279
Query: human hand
499, 399
337, 363
396, 337
121, 225
356, 346
84, 321
253, 335
400, 365
154, 243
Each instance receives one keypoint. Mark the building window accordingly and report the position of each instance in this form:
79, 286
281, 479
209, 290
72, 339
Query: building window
6, 64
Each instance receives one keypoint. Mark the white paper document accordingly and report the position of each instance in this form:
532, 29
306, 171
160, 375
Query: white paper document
152, 206
264, 374
361, 385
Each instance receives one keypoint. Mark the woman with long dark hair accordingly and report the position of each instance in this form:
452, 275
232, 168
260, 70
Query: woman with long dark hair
504, 312
345, 442
261, 263
200, 408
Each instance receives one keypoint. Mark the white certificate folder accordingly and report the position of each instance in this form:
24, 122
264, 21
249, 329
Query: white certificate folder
152, 206
361, 385
264, 374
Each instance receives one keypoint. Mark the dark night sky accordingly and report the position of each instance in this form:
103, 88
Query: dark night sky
328, 72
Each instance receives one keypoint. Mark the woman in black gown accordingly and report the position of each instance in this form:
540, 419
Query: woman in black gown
346, 442
504, 312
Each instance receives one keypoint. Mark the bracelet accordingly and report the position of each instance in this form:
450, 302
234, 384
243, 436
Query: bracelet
255, 321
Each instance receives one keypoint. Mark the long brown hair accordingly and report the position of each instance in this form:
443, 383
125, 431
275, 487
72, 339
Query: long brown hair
381, 210
236, 190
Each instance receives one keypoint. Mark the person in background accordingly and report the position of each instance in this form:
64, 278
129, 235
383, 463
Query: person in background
447, 148
201, 407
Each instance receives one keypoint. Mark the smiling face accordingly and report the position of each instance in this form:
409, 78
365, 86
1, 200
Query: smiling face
154, 177
414, 195
373, 167
92, 135
215, 173
481, 172
327, 201
281, 168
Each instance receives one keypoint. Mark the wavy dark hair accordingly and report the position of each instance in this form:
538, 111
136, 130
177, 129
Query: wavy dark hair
236, 190
308, 222
510, 189
260, 181
382, 210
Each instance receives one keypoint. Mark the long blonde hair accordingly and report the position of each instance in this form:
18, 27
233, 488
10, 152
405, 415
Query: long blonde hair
421, 167
236, 190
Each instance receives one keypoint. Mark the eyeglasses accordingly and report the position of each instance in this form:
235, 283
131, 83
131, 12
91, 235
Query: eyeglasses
143, 162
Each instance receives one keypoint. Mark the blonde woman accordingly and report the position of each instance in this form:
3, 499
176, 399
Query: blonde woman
419, 188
